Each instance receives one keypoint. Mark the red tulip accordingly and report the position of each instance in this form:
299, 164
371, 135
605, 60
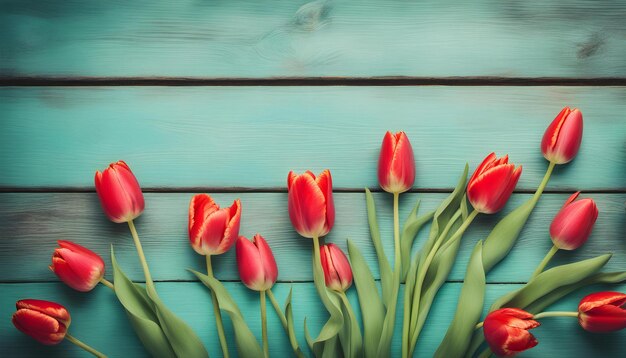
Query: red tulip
603, 312
311, 207
492, 184
572, 226
396, 166
257, 267
77, 266
563, 136
119, 192
506, 331
212, 231
45, 321
337, 270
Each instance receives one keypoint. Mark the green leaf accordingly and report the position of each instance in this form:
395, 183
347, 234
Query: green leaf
552, 279
182, 338
291, 331
331, 301
383, 264
555, 295
332, 348
350, 334
469, 308
411, 227
504, 235
372, 309
247, 345
140, 313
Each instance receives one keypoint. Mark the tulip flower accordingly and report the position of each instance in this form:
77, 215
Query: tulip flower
257, 267
310, 199
337, 270
572, 226
396, 166
258, 271
77, 266
603, 312
563, 136
119, 192
45, 321
506, 331
492, 184
212, 231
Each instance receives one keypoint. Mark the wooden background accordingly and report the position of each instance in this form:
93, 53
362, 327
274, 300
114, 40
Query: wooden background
226, 97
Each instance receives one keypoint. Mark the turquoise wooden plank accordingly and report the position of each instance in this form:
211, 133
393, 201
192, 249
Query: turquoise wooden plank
98, 320
32, 222
574, 38
253, 136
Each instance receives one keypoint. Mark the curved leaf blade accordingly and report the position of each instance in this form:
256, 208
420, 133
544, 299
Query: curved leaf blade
383, 264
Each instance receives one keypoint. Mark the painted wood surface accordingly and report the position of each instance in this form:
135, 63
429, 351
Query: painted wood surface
252, 136
98, 319
573, 38
33, 221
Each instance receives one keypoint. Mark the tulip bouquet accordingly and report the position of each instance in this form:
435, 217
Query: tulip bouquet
213, 230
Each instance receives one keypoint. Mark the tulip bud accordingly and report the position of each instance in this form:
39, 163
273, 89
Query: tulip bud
45, 321
337, 270
563, 136
119, 192
311, 207
396, 166
572, 226
257, 267
212, 231
492, 184
506, 331
77, 266
602, 312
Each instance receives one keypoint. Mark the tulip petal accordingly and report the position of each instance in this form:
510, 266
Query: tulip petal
270, 268
486, 162
489, 191
606, 318
86, 270
599, 299
572, 226
232, 227
385, 160
212, 230
325, 183
49, 308
569, 137
200, 208
307, 206
41, 327
250, 265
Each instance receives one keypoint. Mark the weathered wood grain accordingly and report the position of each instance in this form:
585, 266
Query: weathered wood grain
574, 38
98, 319
253, 136
32, 222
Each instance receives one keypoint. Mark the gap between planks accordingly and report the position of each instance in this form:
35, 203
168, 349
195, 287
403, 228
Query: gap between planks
8, 81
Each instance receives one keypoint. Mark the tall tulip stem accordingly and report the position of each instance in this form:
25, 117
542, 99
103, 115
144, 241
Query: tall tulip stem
216, 311
423, 269
84, 346
107, 283
544, 262
266, 352
544, 182
279, 311
142, 257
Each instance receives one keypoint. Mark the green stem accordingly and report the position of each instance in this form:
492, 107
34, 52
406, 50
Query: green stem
279, 311
544, 262
544, 182
142, 257
486, 353
107, 283
216, 311
84, 346
555, 314
423, 269
479, 325
266, 351
396, 233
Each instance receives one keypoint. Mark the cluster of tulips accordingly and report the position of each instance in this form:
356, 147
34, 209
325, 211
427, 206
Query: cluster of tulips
213, 230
